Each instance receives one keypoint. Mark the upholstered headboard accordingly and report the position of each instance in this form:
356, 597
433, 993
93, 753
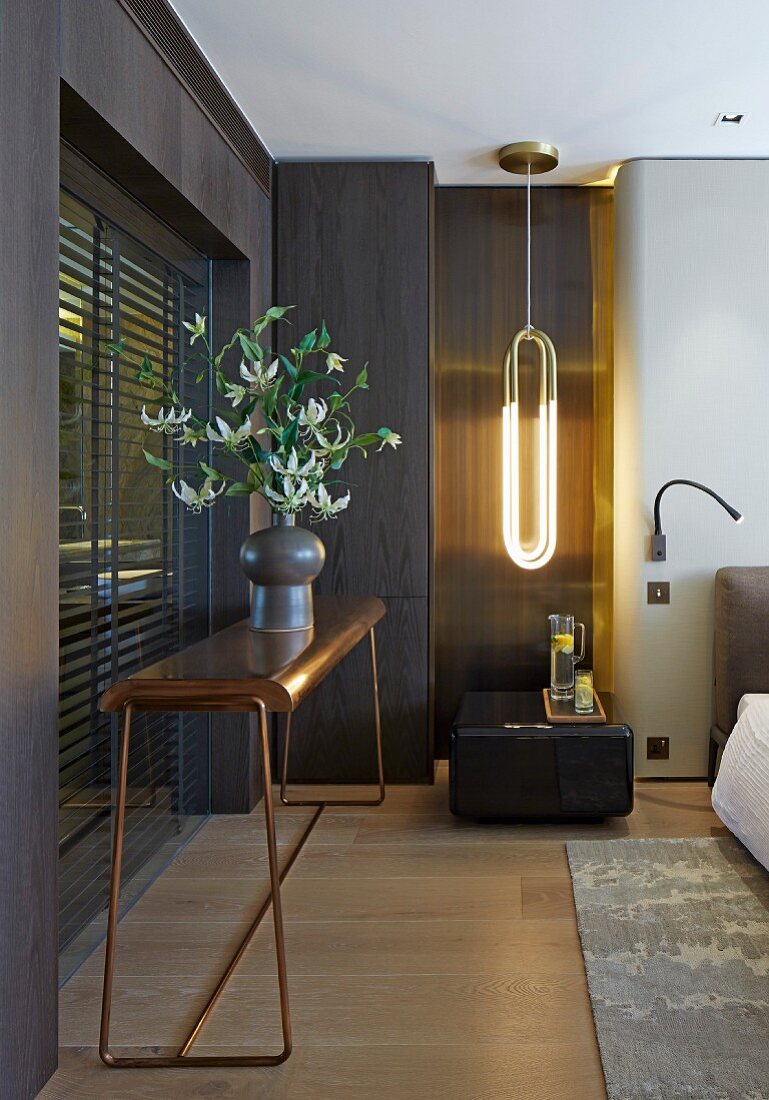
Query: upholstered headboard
741, 638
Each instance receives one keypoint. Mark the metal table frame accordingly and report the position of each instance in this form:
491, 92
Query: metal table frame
241, 702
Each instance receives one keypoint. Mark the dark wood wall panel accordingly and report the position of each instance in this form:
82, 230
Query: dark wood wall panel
235, 780
334, 736
124, 108
29, 204
490, 623
110, 64
352, 247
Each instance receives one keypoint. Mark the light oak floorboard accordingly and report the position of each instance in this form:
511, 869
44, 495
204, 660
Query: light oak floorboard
436, 946
407, 1072
345, 1010
427, 957
547, 899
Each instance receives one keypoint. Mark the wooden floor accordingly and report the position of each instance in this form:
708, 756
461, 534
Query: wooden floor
427, 957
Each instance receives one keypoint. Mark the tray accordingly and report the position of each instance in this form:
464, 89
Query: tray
561, 712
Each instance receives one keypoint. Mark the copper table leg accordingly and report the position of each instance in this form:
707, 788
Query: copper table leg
276, 877
380, 768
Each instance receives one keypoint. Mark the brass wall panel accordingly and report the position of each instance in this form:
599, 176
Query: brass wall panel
490, 617
602, 267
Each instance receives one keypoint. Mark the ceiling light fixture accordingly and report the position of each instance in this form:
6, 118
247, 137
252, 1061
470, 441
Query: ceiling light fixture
527, 158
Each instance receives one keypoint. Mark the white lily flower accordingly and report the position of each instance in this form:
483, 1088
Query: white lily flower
292, 467
259, 377
334, 362
168, 422
328, 447
191, 435
197, 499
312, 415
232, 438
197, 328
293, 498
326, 508
234, 393
390, 439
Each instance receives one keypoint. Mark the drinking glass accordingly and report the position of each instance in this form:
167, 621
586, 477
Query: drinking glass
583, 691
562, 655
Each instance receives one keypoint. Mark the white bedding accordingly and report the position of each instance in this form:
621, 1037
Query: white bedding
741, 791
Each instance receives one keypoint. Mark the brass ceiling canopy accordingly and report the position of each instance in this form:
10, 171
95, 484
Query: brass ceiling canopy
522, 156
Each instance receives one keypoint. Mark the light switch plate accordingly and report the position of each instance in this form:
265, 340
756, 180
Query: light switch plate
658, 592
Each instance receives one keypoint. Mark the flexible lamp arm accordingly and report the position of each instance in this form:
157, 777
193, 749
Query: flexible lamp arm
659, 551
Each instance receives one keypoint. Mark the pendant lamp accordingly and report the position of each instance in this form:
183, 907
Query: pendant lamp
530, 158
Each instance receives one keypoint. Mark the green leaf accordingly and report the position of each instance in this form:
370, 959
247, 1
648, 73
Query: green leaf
221, 382
257, 453
361, 382
116, 349
311, 376
251, 350
289, 434
270, 398
307, 343
324, 339
209, 471
161, 463
200, 377
275, 313
290, 368
239, 489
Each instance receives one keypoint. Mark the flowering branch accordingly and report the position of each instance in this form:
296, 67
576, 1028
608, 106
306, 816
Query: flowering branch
293, 456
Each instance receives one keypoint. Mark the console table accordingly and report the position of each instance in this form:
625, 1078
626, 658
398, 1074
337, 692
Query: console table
243, 671
507, 762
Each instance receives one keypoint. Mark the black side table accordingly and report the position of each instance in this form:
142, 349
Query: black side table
507, 762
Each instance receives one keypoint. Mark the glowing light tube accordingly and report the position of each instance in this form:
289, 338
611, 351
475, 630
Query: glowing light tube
536, 555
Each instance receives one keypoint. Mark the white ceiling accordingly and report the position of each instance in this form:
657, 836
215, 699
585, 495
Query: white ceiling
452, 80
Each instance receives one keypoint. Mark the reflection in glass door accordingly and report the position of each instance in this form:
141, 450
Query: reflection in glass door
133, 566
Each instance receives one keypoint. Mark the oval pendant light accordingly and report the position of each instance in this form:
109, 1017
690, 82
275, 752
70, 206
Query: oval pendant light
530, 158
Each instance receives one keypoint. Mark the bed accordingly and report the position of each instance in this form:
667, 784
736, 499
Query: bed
741, 713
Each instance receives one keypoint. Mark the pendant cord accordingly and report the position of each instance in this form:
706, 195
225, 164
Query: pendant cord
528, 248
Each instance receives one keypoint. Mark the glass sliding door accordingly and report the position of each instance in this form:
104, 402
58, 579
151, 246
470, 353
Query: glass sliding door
133, 564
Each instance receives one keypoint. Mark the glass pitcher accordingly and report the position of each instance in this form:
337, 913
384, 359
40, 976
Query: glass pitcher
563, 655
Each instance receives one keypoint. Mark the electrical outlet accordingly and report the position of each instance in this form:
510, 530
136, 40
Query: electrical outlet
657, 748
658, 592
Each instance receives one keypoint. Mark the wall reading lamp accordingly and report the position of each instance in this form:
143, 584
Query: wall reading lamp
659, 549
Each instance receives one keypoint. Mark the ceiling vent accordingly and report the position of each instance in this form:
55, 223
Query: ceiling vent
731, 118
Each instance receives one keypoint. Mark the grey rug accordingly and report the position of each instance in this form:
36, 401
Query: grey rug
675, 935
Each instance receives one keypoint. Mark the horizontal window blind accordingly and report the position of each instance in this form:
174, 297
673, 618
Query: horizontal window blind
133, 563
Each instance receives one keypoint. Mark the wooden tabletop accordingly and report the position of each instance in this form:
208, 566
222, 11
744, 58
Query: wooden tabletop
235, 664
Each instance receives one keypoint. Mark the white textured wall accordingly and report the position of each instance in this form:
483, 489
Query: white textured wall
692, 400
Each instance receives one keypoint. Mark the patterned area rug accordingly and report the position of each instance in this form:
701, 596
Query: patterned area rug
675, 935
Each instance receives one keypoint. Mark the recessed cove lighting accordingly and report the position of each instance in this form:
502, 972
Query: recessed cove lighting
730, 118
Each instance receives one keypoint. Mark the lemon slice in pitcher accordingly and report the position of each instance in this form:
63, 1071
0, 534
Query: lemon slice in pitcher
562, 643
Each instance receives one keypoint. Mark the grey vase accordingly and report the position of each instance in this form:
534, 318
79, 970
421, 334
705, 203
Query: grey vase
281, 562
